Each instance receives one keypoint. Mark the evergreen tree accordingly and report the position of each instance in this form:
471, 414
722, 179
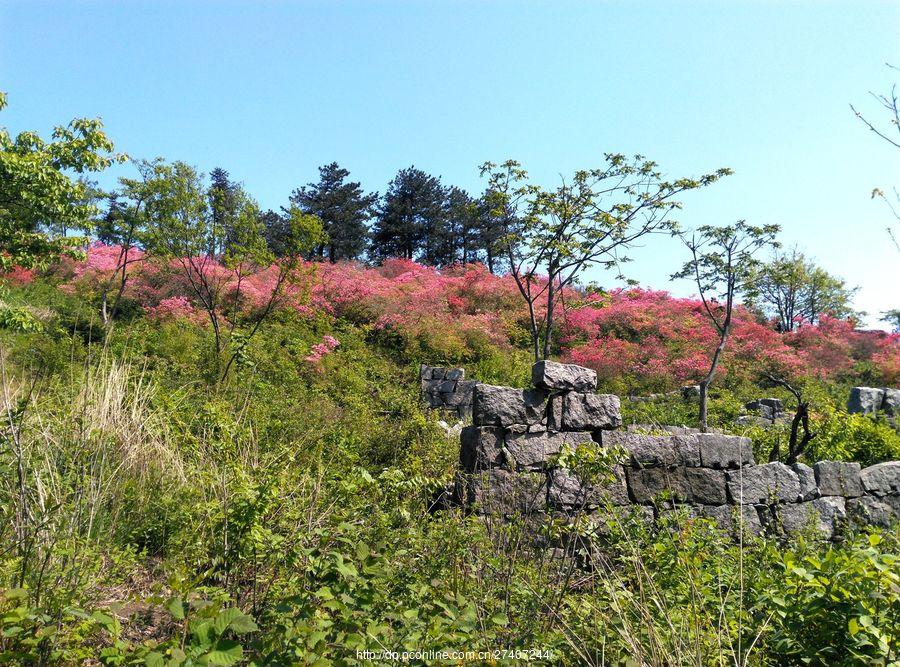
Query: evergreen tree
276, 230
488, 233
457, 236
343, 209
411, 217
223, 205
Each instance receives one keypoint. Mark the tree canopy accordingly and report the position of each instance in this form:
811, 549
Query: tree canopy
42, 193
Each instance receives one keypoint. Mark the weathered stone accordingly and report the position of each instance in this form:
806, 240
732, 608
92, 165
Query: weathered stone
466, 388
532, 449
690, 391
554, 412
866, 400
455, 373
568, 492
481, 447
838, 478
752, 420
882, 478
733, 518
762, 483
655, 450
686, 485
724, 451
882, 511
824, 514
502, 492
505, 406
563, 377
437, 373
447, 386
809, 490
589, 412
891, 402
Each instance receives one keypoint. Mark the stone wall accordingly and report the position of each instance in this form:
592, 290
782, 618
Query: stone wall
507, 466
447, 390
873, 400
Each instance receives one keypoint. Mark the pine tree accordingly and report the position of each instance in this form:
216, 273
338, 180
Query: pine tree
343, 208
222, 206
410, 218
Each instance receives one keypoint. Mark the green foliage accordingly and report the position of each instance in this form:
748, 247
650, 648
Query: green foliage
854, 437
791, 289
286, 517
833, 606
550, 236
39, 198
21, 319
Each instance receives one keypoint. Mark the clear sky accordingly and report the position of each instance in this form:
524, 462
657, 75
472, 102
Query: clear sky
271, 90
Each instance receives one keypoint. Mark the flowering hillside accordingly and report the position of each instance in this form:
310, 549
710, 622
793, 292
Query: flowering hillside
636, 339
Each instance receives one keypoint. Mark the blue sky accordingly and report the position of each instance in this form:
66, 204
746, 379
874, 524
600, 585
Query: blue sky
271, 90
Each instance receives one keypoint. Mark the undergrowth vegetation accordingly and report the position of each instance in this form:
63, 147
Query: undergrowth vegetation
153, 514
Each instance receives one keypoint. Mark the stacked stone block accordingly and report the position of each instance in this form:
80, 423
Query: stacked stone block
447, 390
507, 461
507, 454
874, 400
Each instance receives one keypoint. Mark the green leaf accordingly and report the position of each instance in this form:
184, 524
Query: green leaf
176, 608
154, 660
235, 619
225, 652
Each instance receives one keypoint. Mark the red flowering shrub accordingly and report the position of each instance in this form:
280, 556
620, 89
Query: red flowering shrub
638, 339
18, 276
653, 341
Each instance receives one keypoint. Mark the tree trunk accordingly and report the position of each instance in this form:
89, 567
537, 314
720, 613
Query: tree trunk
704, 384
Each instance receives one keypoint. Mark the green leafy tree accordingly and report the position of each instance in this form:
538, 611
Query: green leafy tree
723, 261
791, 289
40, 200
343, 208
593, 218
182, 230
411, 218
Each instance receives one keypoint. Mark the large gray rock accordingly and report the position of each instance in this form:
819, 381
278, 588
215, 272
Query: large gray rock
882, 479
505, 493
590, 412
809, 490
866, 400
533, 449
461, 395
891, 402
883, 511
733, 518
554, 376
767, 408
763, 483
481, 447
567, 491
679, 485
724, 451
645, 451
838, 478
505, 406
824, 514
